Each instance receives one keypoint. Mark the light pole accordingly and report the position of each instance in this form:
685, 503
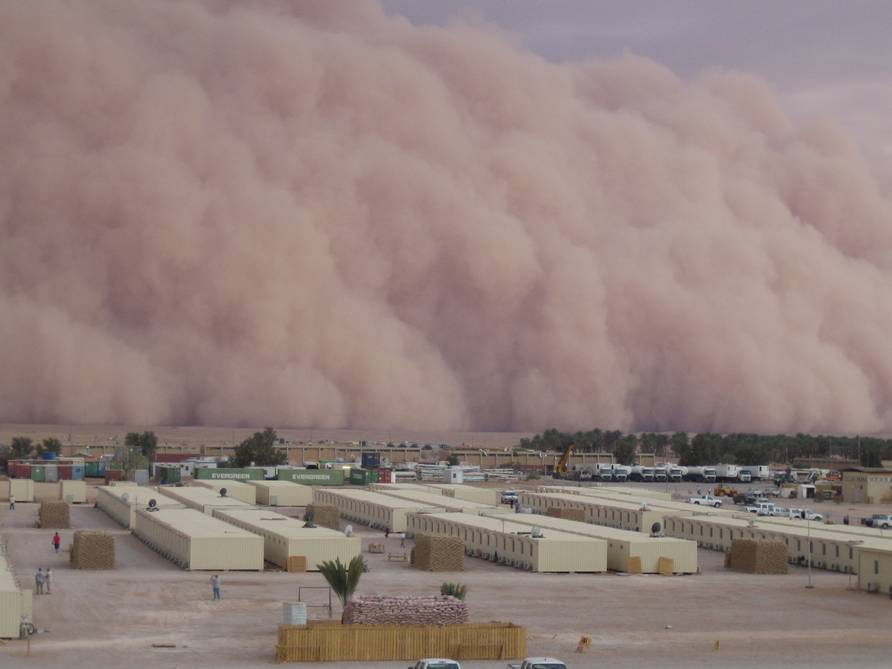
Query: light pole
808, 532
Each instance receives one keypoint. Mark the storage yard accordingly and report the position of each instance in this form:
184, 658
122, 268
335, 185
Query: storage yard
671, 621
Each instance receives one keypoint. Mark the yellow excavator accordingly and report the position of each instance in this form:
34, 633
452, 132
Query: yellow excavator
560, 469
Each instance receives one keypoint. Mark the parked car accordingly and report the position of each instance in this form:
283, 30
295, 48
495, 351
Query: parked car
880, 520
509, 496
539, 663
805, 514
436, 663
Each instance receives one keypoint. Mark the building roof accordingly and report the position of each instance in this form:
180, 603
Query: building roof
867, 470
495, 524
203, 496
195, 524
381, 499
435, 499
139, 495
276, 484
586, 529
285, 526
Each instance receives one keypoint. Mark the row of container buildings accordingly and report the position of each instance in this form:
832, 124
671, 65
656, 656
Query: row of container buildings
15, 602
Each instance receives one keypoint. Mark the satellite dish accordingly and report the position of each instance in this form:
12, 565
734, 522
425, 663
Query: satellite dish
153, 503
348, 530
536, 533
223, 492
655, 529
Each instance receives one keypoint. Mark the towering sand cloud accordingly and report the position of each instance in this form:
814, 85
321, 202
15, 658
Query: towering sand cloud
308, 213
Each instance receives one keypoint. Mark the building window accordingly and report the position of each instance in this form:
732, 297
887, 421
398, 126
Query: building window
876, 566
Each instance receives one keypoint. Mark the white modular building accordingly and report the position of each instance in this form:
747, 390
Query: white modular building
121, 502
282, 493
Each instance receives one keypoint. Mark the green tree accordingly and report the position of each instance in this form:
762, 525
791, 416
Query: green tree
680, 445
871, 457
145, 443
624, 449
50, 445
21, 447
259, 450
453, 460
342, 578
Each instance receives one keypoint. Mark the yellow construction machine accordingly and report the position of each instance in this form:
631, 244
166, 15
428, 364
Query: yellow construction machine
560, 469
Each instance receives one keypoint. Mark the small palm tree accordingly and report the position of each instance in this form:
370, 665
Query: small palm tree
342, 578
456, 590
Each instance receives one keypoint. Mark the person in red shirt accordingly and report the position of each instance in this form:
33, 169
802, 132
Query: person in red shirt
56, 541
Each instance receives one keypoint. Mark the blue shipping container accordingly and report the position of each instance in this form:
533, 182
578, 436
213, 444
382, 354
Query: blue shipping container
77, 473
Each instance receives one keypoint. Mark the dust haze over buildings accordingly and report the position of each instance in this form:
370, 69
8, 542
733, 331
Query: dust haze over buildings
316, 214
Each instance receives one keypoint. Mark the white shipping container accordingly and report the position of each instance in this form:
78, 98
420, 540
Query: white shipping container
21, 489
121, 502
196, 541
236, 489
73, 492
203, 499
282, 493
498, 538
285, 537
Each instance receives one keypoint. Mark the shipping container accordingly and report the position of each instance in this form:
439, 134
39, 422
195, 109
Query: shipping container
114, 475
370, 508
168, 474
49, 455
93, 469
38, 473
21, 489
235, 489
283, 493
370, 460
363, 476
229, 473
52, 473
73, 492
500, 540
202, 499
121, 502
385, 475
623, 545
599, 511
286, 537
15, 602
78, 472
196, 541
434, 498
333, 477
66, 472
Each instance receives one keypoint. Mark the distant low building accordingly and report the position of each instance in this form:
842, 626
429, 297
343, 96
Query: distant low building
866, 485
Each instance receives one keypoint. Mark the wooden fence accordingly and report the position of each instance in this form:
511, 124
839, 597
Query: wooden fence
331, 641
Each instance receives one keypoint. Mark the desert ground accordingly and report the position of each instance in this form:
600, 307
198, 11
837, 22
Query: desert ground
118, 618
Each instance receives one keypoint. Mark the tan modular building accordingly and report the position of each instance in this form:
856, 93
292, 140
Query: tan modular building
875, 570
73, 492
867, 485
236, 489
849, 531
664, 505
286, 537
15, 602
121, 502
608, 489
435, 499
371, 508
203, 499
196, 541
599, 511
282, 493
385, 487
623, 544
492, 538
21, 489
488, 496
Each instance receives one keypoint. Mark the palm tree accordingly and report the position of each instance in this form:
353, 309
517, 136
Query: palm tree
342, 578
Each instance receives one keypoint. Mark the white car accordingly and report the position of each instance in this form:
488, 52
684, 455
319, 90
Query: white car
539, 663
705, 500
436, 663
805, 514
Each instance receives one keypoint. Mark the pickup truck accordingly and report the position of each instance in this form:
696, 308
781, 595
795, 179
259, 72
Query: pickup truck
881, 520
435, 663
705, 500
764, 508
539, 663
805, 514
509, 496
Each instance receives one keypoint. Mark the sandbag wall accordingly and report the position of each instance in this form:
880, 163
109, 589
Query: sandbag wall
757, 557
93, 550
54, 515
383, 610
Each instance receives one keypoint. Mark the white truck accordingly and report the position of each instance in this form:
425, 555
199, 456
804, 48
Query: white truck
766, 508
640, 473
621, 473
757, 472
539, 663
705, 500
727, 473
661, 473
436, 663
701, 474
605, 472
676, 474
805, 514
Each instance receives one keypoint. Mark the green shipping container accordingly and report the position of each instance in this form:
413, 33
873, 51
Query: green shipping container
313, 476
363, 476
225, 473
38, 473
169, 474
91, 468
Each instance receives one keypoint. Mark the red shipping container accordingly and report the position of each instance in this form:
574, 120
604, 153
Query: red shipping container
173, 457
113, 475
385, 476
24, 471
65, 472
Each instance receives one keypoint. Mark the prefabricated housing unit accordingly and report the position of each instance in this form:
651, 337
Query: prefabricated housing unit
15, 602
284, 537
599, 511
492, 538
203, 499
283, 493
875, 569
371, 508
197, 541
239, 490
435, 499
608, 489
21, 489
73, 492
385, 487
623, 544
489, 496
121, 502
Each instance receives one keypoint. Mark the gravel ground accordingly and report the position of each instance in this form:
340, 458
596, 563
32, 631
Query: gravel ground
112, 619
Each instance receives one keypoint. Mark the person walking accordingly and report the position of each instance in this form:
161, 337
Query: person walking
12, 502
215, 586
48, 577
56, 541
38, 581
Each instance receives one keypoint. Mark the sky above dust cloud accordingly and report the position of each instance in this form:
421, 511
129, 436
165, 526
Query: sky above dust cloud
323, 214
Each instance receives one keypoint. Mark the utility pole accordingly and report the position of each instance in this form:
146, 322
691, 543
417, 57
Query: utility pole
808, 521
